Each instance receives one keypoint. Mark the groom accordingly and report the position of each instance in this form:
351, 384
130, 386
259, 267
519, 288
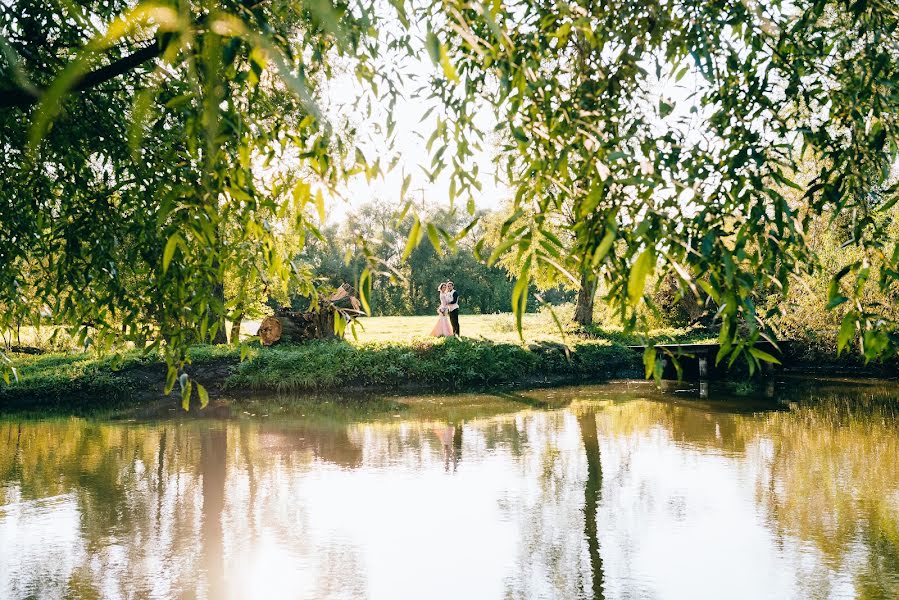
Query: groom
453, 307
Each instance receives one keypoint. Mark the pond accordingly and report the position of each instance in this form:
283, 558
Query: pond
612, 491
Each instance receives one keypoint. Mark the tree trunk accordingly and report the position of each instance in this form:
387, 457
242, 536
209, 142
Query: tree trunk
218, 293
592, 489
583, 312
235, 328
291, 327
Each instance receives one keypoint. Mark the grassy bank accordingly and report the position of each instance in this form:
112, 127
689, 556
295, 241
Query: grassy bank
442, 364
82, 381
391, 353
71, 381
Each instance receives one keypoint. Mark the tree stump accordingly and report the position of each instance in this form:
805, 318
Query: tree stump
292, 327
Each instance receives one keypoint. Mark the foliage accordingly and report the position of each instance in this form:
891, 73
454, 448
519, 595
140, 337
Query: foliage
67, 380
668, 335
136, 144
815, 318
450, 364
85, 381
408, 286
690, 184
662, 137
80, 381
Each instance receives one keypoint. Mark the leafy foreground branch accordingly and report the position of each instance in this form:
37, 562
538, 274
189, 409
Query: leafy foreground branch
81, 382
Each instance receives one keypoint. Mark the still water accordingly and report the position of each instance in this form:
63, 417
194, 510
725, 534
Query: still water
614, 491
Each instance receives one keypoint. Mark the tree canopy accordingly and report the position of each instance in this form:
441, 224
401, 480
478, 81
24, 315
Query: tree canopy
694, 184
151, 147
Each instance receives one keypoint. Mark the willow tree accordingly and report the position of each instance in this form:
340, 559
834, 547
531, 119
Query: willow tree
673, 129
127, 146
137, 139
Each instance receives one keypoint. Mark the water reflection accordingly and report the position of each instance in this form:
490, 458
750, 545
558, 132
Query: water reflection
607, 491
590, 437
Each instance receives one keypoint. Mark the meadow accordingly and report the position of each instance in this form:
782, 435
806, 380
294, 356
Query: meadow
537, 327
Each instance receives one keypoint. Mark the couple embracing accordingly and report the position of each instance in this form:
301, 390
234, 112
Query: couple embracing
448, 321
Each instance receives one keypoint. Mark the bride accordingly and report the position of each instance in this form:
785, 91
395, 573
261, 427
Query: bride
443, 327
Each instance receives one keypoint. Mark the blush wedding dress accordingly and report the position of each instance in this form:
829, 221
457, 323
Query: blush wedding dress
443, 328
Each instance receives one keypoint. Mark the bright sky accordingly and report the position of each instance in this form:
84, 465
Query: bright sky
412, 133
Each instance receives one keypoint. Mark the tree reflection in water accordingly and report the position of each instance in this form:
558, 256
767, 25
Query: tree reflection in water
328, 504
592, 489
213, 467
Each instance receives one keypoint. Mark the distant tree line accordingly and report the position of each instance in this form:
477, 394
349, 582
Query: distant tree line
409, 286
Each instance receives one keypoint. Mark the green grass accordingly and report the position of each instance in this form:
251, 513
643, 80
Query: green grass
443, 364
668, 335
81, 380
64, 379
536, 327
389, 352
498, 328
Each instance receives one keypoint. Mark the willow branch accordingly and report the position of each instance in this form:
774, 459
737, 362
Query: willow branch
23, 98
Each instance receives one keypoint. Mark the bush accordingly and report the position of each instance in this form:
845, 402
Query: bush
64, 380
449, 363
84, 382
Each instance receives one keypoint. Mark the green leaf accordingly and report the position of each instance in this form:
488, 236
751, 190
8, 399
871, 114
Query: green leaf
434, 237
448, 69
836, 301
203, 395
649, 361
709, 289
365, 290
519, 134
174, 241
762, 355
604, 246
433, 45
659, 370
520, 295
320, 206
170, 379
665, 108
847, 332
407, 180
186, 388
467, 229
301, 194
415, 236
875, 343
641, 269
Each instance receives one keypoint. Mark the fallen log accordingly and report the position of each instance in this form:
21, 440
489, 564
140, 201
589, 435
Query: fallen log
288, 326
25, 350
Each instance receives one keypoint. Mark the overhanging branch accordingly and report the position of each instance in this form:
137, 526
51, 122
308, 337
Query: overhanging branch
22, 98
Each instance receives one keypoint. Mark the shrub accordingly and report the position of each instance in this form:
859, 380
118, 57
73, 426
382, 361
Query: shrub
446, 363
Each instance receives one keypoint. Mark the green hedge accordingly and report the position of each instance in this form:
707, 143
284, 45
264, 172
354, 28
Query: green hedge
448, 363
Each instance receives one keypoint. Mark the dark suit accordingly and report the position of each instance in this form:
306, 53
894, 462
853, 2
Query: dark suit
454, 314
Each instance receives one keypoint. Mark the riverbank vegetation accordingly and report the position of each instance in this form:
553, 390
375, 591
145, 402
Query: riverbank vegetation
168, 168
386, 353
448, 364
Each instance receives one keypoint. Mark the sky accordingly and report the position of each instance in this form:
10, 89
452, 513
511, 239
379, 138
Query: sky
412, 132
